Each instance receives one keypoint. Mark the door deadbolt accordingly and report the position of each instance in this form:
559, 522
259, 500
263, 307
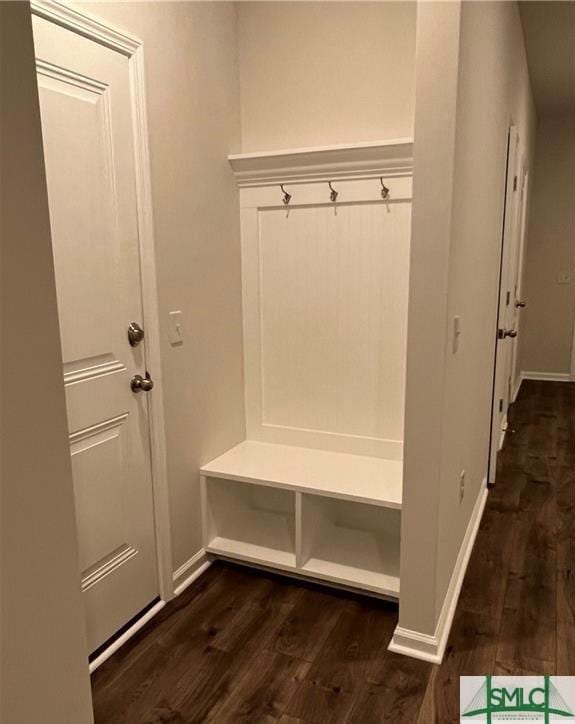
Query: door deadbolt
502, 333
135, 334
520, 304
142, 384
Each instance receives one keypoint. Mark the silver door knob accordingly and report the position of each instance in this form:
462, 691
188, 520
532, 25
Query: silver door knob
135, 334
502, 333
142, 384
520, 304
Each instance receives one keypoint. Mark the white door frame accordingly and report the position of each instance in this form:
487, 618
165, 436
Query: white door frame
497, 430
132, 48
520, 271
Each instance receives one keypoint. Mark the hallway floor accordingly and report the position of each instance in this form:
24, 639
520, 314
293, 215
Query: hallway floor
244, 646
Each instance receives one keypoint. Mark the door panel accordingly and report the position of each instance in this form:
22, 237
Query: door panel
85, 104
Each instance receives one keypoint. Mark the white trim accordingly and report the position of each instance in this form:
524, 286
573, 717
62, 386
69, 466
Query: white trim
197, 564
121, 640
93, 29
123, 554
518, 383
359, 160
152, 326
503, 433
86, 25
547, 376
431, 648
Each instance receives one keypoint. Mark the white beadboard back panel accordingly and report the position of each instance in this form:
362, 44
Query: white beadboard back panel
325, 317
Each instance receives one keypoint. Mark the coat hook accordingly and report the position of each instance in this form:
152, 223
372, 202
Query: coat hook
287, 197
333, 195
384, 189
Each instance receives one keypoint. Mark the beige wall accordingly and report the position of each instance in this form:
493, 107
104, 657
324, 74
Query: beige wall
492, 75
193, 116
455, 271
436, 60
547, 329
319, 73
43, 662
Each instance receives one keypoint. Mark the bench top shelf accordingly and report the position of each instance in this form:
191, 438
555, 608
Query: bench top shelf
376, 481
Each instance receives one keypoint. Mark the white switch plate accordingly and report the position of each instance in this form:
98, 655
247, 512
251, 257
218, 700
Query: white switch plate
176, 328
564, 278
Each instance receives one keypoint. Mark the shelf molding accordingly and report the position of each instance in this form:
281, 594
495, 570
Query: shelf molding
320, 163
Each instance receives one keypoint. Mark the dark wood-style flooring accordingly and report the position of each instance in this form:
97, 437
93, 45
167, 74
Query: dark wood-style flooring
245, 646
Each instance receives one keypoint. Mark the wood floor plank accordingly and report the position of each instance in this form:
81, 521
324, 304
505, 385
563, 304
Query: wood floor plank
565, 663
202, 688
528, 628
314, 614
566, 559
396, 686
471, 651
486, 578
352, 645
316, 704
264, 692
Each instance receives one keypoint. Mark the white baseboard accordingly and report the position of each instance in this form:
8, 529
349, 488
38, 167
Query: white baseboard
431, 648
547, 376
121, 640
190, 571
503, 433
183, 577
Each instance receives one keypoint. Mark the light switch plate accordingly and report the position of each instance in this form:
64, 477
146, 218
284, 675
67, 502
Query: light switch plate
176, 328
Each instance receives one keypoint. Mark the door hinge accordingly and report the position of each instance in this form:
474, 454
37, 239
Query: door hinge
515, 183
501, 405
507, 298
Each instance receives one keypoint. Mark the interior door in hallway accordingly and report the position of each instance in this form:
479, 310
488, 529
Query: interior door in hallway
506, 313
85, 100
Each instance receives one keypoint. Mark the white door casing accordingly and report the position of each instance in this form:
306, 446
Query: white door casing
506, 308
518, 271
99, 205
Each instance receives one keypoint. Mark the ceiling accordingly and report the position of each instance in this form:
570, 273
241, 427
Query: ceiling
549, 30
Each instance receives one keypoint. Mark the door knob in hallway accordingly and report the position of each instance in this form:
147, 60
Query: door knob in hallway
142, 384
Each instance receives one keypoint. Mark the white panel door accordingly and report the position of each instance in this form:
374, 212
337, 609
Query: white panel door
85, 104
